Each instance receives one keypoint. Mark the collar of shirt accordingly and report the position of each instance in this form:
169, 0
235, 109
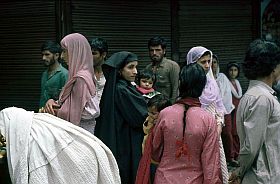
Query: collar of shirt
264, 85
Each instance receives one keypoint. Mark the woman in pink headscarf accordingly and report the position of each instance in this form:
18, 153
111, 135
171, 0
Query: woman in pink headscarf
77, 101
210, 99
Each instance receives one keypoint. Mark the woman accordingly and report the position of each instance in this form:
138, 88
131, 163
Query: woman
42, 148
233, 70
210, 98
185, 140
123, 111
225, 91
77, 101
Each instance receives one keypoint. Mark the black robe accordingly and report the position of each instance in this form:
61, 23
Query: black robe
123, 111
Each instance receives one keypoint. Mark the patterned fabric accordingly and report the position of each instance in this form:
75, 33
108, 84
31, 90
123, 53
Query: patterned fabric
223, 161
197, 163
45, 149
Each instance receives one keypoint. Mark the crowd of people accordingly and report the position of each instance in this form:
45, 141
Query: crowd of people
102, 121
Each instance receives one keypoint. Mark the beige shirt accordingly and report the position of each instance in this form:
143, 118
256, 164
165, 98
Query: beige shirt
167, 78
258, 127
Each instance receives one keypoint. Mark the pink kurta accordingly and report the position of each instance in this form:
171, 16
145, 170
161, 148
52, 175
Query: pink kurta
201, 164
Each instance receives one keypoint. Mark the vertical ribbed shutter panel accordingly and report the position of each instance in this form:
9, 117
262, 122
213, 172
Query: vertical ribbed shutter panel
126, 25
24, 26
225, 27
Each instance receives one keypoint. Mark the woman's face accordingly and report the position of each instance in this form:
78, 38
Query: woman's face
64, 56
205, 62
233, 72
129, 71
214, 65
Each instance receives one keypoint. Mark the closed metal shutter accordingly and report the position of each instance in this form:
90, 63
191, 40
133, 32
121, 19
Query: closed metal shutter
24, 26
224, 27
126, 25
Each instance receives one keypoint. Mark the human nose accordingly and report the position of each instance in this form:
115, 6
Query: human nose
44, 57
134, 71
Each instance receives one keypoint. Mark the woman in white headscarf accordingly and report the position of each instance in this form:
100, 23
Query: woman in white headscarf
42, 148
210, 99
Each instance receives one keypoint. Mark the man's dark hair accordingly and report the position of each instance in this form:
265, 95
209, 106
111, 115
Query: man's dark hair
157, 40
99, 44
260, 59
192, 81
146, 74
160, 101
51, 46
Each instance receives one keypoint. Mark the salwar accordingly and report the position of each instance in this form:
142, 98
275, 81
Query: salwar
227, 138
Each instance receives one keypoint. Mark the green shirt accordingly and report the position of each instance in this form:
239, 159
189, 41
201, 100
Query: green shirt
51, 85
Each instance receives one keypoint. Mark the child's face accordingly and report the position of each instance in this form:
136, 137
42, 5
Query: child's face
146, 83
233, 72
153, 112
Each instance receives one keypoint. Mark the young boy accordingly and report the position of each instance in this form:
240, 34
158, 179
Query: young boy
155, 105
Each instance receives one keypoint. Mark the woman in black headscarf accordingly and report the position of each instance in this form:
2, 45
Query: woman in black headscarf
123, 111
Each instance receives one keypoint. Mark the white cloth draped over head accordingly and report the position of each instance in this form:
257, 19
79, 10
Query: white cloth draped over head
211, 93
237, 94
42, 148
225, 88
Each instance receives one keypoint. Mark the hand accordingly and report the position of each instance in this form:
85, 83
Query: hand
51, 107
234, 178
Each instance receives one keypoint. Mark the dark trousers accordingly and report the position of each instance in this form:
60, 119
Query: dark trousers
227, 138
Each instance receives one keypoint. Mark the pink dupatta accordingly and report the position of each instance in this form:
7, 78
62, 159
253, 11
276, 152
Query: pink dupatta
80, 86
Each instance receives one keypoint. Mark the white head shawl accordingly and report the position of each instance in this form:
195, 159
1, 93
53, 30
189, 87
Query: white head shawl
211, 93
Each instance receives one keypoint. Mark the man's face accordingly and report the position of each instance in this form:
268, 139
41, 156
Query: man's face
205, 62
98, 58
49, 58
156, 53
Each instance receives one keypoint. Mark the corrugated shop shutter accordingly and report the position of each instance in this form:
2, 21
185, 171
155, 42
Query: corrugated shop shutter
24, 25
126, 25
225, 27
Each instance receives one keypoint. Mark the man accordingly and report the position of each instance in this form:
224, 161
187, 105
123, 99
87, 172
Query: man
99, 48
258, 117
166, 70
55, 76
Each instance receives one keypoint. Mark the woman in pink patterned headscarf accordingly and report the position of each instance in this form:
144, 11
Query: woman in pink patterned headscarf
77, 101
210, 99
